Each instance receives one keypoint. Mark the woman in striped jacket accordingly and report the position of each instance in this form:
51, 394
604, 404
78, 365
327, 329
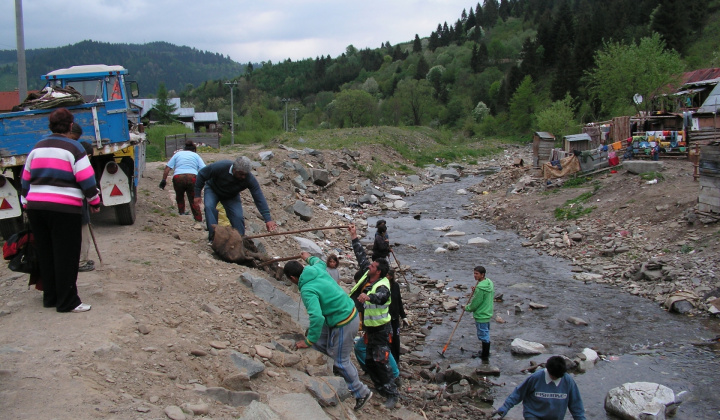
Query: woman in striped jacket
56, 178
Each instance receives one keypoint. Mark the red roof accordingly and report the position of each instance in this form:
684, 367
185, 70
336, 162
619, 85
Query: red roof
700, 75
8, 100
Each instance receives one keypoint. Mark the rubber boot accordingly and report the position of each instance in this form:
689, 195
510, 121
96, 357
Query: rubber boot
485, 355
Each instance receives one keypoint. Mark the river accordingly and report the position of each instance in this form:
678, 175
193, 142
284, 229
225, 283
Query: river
642, 341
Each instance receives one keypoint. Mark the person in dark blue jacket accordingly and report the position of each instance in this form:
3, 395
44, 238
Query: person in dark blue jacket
223, 181
547, 394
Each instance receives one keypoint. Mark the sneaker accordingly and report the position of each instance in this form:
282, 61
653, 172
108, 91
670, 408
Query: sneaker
88, 265
391, 402
360, 402
83, 307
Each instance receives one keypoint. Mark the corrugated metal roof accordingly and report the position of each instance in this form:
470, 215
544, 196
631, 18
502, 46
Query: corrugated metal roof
700, 75
185, 112
711, 103
544, 135
578, 137
148, 104
206, 117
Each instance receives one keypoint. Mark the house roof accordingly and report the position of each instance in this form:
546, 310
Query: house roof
148, 104
544, 135
185, 112
701, 76
206, 117
712, 102
9, 99
578, 137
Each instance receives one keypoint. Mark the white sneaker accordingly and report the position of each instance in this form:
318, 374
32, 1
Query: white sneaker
83, 307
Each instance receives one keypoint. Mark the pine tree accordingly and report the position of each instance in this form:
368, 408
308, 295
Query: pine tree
417, 45
434, 41
471, 22
422, 69
163, 108
474, 59
490, 13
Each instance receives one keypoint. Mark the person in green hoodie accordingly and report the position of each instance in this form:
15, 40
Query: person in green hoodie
334, 320
481, 305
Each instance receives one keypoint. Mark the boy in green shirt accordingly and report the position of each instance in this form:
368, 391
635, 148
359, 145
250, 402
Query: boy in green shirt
481, 305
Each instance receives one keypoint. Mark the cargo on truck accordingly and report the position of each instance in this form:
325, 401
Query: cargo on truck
98, 96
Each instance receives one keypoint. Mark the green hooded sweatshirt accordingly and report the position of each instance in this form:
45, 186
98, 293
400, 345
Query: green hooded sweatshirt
481, 304
326, 302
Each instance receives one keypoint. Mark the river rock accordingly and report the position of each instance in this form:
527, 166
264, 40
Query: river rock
246, 365
263, 351
399, 191
440, 250
478, 241
327, 390
399, 204
586, 360
297, 407
259, 411
455, 233
200, 409
451, 246
233, 398
174, 413
443, 228
577, 321
640, 400
520, 346
450, 305
298, 182
320, 177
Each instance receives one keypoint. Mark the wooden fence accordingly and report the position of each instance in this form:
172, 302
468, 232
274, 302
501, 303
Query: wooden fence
177, 141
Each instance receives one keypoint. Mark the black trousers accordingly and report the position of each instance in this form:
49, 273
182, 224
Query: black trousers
395, 343
58, 237
376, 359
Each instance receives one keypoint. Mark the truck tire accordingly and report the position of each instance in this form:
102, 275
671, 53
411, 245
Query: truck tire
125, 213
11, 226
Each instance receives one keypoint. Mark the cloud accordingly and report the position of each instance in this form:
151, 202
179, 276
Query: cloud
245, 30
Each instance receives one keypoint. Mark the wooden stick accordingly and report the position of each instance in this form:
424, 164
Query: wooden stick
264, 263
294, 231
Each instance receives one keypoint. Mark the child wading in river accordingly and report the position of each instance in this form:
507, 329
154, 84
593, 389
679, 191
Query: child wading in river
481, 306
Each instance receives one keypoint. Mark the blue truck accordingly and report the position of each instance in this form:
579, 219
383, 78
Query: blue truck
109, 122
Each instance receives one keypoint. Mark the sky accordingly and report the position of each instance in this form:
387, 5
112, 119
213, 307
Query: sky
247, 31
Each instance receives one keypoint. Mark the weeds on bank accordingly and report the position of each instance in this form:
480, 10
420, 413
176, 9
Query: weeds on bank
573, 209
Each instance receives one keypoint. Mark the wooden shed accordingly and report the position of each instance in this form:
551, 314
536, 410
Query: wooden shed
543, 143
577, 142
709, 198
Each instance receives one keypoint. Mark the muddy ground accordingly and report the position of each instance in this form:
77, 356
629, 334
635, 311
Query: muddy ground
167, 312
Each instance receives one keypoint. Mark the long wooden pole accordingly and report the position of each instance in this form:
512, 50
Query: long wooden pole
264, 263
294, 231
442, 353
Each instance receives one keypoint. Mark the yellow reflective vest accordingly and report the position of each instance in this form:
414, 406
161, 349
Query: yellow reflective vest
375, 315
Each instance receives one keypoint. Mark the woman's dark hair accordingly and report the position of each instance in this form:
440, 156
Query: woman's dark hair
480, 269
189, 145
293, 269
76, 130
556, 366
332, 257
60, 121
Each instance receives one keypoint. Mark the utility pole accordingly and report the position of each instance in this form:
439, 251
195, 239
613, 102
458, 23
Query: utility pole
232, 113
286, 100
20, 35
295, 110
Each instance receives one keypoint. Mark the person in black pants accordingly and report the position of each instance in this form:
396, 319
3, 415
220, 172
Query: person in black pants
397, 315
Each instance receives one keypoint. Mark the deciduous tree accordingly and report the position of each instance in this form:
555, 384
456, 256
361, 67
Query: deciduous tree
624, 70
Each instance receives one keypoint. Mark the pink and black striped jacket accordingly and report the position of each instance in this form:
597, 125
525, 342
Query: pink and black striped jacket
57, 176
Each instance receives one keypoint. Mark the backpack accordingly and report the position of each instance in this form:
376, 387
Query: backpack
19, 250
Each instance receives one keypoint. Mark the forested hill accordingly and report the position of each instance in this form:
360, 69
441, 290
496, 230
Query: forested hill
149, 64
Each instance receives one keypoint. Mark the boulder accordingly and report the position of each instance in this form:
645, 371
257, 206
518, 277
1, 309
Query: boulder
640, 400
301, 209
520, 346
320, 177
641, 166
246, 365
266, 155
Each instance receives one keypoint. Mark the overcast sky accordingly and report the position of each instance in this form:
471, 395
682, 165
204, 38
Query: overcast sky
245, 30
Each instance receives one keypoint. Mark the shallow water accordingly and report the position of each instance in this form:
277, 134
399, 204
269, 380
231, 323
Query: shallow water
645, 342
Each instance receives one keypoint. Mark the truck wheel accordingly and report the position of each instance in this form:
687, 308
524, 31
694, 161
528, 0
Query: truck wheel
11, 226
125, 213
